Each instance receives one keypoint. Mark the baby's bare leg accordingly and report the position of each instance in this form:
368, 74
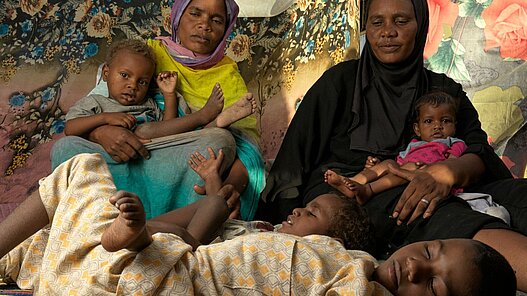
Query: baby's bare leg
128, 230
373, 172
15, 228
214, 105
244, 107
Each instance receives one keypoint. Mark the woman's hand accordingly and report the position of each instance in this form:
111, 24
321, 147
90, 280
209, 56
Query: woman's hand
119, 142
428, 186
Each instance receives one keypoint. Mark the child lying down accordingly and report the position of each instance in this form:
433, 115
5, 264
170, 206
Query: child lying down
66, 257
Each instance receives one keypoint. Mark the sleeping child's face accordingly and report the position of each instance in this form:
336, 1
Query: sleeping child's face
128, 76
435, 122
441, 267
315, 218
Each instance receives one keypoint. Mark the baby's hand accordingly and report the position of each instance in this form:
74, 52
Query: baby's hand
119, 119
167, 81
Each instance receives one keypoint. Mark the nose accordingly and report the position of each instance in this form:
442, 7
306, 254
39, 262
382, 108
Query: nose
438, 125
388, 30
205, 23
417, 269
132, 84
297, 212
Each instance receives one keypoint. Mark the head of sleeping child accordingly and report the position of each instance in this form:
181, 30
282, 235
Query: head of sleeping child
128, 70
333, 215
447, 267
435, 116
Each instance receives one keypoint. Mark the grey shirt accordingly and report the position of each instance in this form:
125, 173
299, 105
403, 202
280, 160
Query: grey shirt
95, 104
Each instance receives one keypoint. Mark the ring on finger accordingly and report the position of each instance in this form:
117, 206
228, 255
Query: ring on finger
426, 202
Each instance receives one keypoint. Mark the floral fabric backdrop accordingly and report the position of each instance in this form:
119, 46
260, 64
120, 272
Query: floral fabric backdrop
483, 45
50, 51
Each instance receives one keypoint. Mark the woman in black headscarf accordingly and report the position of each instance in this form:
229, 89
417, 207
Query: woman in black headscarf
364, 108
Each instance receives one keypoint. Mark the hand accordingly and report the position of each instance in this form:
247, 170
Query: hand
119, 119
428, 186
119, 142
167, 81
232, 196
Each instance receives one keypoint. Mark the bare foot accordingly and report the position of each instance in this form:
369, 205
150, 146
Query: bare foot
208, 169
371, 162
348, 187
128, 230
244, 107
214, 105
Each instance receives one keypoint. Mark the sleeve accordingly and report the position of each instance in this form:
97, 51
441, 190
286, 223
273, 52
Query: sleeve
469, 129
86, 106
457, 148
306, 142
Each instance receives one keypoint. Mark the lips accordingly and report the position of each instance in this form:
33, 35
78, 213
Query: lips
128, 97
389, 47
200, 39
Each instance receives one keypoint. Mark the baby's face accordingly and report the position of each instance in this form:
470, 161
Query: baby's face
128, 77
315, 218
435, 122
435, 268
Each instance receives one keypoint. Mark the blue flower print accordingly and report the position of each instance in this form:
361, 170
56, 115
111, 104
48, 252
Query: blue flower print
91, 50
4, 30
37, 52
27, 25
57, 126
48, 94
17, 100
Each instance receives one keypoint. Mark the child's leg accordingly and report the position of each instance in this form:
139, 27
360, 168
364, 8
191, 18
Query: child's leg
187, 123
244, 107
128, 230
200, 220
237, 177
374, 172
16, 228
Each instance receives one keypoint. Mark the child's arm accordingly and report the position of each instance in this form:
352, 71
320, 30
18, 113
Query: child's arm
457, 149
82, 126
167, 82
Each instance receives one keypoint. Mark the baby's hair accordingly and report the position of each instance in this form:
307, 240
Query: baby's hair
134, 46
497, 276
436, 98
352, 225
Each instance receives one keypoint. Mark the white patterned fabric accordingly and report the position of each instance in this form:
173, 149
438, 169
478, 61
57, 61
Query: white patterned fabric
67, 258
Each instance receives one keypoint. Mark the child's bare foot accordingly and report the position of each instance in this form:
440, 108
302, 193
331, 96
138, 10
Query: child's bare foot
214, 105
371, 162
348, 187
128, 230
208, 169
244, 107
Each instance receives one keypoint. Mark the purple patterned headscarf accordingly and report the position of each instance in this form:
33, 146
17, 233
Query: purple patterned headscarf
201, 61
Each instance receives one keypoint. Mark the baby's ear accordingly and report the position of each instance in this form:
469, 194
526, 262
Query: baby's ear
105, 72
416, 129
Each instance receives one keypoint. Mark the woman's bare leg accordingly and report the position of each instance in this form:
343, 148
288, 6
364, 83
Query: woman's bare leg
513, 246
16, 228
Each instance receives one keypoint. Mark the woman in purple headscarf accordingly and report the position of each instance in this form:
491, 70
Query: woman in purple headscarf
195, 50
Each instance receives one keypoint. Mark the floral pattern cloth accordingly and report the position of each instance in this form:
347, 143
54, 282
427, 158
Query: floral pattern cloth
50, 51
